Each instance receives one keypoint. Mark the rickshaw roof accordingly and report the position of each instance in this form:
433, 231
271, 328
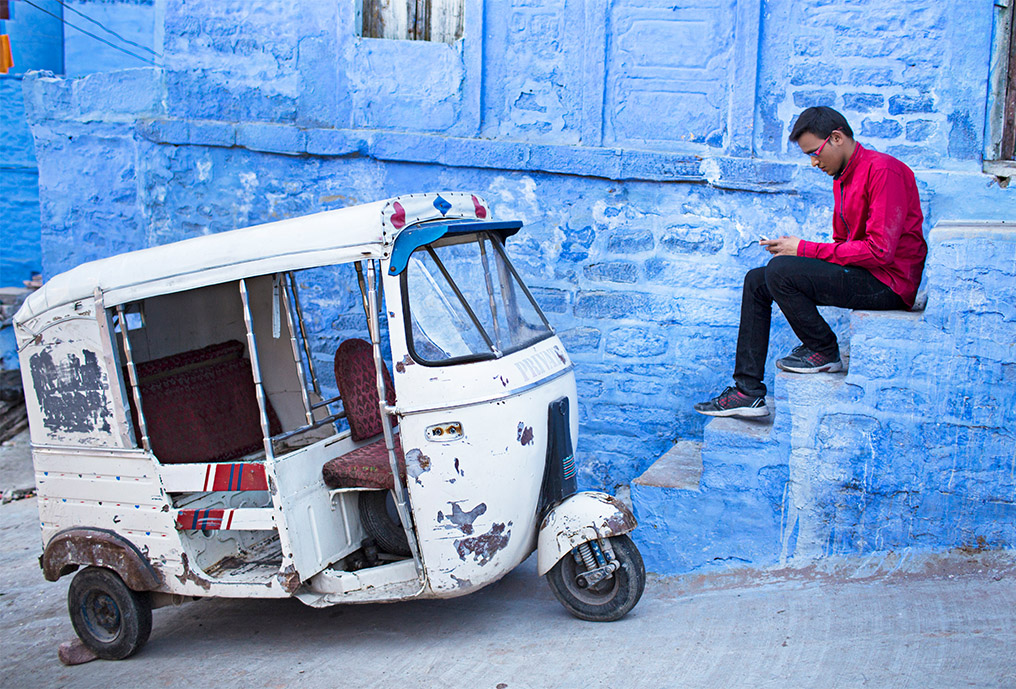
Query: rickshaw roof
326, 238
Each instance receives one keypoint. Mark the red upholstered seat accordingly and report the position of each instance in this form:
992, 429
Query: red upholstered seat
357, 380
366, 466
201, 405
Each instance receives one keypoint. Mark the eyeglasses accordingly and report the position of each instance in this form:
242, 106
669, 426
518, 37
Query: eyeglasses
815, 154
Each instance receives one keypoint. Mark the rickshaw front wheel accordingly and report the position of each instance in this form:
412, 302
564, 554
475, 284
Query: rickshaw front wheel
109, 618
608, 599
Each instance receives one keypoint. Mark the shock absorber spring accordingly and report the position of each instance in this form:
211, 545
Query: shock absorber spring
587, 557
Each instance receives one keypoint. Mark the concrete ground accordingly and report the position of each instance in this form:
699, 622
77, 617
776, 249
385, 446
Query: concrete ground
946, 620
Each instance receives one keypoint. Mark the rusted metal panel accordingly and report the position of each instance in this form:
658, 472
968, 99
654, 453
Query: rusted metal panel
77, 547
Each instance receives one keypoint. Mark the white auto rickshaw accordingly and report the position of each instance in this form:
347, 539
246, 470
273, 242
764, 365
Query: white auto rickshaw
185, 444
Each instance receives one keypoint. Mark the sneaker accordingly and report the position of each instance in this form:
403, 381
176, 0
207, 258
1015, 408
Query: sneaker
733, 402
804, 360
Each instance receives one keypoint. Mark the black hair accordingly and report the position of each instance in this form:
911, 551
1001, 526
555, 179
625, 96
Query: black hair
821, 121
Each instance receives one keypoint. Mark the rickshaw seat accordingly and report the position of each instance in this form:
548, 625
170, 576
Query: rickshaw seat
201, 405
366, 466
357, 381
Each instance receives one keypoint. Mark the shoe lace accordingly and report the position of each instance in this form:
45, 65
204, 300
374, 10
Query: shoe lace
729, 393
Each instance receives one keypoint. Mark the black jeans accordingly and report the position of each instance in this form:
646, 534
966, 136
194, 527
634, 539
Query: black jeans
799, 285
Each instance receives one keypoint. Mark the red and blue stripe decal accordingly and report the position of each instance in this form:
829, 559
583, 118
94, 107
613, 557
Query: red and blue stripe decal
204, 520
568, 466
235, 477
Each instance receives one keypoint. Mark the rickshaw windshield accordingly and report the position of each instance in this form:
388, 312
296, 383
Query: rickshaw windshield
464, 301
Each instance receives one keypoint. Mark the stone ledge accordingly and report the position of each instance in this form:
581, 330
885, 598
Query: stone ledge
680, 467
728, 432
724, 172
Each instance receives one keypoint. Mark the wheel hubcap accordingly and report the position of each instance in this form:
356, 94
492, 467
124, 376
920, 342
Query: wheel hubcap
102, 616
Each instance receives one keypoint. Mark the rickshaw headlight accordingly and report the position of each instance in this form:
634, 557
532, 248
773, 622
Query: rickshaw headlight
445, 432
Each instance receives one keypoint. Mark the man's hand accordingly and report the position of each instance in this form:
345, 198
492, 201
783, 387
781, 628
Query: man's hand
781, 246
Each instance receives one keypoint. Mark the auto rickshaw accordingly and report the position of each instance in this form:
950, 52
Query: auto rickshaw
189, 439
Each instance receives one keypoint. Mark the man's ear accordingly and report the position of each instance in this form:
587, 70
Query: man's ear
838, 137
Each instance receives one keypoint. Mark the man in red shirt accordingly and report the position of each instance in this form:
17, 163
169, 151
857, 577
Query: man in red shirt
874, 262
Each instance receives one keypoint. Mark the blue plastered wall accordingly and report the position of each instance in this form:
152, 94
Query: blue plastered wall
643, 143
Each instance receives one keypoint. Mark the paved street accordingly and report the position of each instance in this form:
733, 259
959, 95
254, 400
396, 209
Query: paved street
923, 622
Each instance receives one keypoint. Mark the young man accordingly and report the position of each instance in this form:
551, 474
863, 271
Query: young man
875, 261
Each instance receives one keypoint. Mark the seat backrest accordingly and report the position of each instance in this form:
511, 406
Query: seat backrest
357, 380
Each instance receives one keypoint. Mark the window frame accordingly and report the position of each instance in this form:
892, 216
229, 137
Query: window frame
1000, 156
497, 243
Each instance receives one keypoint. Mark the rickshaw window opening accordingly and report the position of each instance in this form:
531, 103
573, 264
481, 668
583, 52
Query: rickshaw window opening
462, 299
407, 320
438, 334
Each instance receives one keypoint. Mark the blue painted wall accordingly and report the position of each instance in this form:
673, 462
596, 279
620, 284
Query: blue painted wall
643, 142
36, 43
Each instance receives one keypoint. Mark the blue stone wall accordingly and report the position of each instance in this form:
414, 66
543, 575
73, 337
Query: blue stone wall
36, 43
643, 143
21, 251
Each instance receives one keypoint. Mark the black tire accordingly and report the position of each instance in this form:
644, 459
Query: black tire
607, 600
109, 618
381, 520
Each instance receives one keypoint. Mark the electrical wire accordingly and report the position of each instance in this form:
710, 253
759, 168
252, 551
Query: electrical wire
107, 30
88, 33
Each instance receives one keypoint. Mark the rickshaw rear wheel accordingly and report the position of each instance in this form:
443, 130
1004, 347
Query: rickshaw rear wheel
606, 600
380, 520
107, 616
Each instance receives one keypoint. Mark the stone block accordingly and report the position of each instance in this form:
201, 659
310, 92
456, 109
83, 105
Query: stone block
881, 129
635, 242
271, 138
616, 271
579, 340
636, 342
641, 387
817, 73
920, 130
808, 99
625, 305
335, 142
871, 76
908, 105
211, 133
122, 93
863, 102
682, 239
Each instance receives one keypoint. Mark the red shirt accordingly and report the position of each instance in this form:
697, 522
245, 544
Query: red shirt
876, 223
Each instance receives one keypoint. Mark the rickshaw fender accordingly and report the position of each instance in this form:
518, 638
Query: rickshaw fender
77, 546
578, 519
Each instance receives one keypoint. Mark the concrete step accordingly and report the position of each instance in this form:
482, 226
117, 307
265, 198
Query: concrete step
680, 468
734, 451
686, 526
